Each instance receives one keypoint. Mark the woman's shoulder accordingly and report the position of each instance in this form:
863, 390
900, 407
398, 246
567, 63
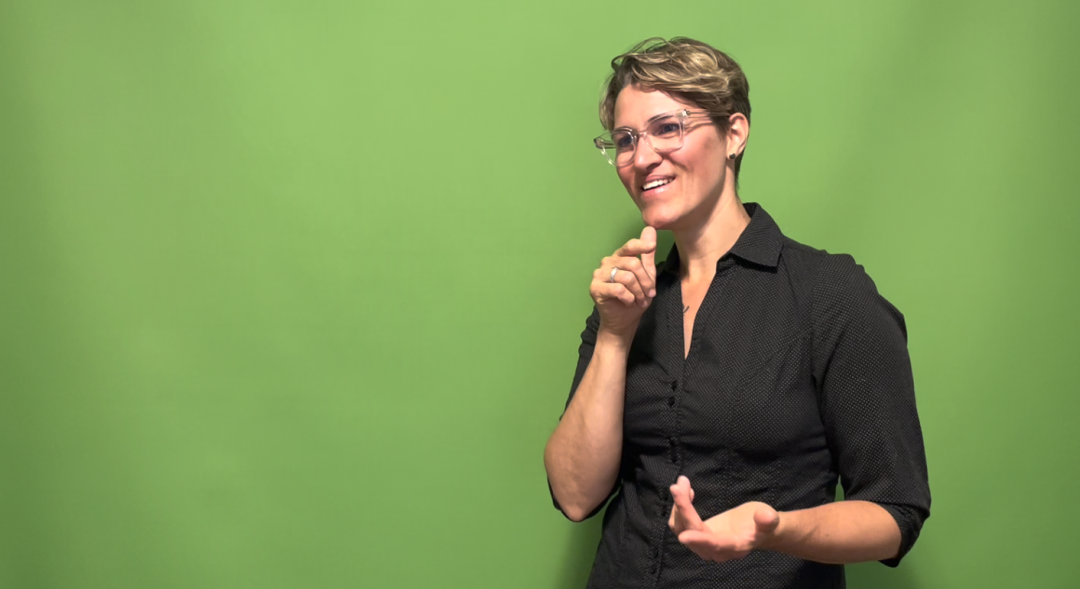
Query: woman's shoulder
828, 277
838, 288
817, 263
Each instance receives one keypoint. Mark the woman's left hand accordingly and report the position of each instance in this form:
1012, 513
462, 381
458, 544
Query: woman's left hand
729, 535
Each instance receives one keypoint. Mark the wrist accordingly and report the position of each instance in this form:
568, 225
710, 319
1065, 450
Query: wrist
614, 341
789, 532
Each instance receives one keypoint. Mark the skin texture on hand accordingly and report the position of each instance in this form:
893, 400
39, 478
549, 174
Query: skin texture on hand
621, 298
729, 535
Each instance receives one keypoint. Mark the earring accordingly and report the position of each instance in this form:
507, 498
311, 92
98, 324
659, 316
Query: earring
733, 156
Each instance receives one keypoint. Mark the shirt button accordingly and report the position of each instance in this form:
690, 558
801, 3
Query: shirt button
674, 385
672, 451
671, 401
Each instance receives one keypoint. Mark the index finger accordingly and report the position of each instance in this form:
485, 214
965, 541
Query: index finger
637, 247
648, 259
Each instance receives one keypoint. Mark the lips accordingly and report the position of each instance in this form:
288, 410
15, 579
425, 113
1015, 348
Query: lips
656, 182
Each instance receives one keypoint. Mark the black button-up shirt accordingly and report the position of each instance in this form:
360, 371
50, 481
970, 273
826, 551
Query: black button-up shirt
798, 377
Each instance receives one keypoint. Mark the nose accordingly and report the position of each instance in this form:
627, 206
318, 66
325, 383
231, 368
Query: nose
645, 156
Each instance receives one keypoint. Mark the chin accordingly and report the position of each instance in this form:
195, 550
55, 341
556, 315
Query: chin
658, 224
658, 218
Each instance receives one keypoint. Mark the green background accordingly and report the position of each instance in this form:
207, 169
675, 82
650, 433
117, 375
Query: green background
292, 290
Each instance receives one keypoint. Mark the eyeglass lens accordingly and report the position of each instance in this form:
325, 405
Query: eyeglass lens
663, 135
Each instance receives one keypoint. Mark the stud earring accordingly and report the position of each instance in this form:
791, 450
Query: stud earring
733, 156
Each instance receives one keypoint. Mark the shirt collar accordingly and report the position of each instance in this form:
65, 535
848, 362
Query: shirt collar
759, 243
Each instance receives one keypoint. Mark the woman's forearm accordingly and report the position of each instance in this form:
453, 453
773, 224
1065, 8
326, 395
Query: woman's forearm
844, 532
582, 456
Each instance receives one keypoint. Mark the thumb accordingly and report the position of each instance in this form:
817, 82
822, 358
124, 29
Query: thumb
648, 259
680, 494
767, 519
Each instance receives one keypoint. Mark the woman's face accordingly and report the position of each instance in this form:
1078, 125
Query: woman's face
696, 172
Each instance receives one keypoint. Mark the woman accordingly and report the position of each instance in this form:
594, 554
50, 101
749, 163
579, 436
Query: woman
721, 395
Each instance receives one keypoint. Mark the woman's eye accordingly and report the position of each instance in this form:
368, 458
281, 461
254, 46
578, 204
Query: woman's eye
624, 141
666, 128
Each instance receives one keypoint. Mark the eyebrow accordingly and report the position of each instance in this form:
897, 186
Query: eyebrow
653, 118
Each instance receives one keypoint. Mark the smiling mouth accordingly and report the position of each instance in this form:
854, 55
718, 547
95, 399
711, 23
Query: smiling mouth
656, 184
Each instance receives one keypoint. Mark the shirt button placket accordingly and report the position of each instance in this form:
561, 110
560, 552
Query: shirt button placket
673, 451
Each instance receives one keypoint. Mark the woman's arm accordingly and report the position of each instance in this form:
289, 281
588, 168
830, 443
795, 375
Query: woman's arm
836, 533
867, 397
582, 456
867, 401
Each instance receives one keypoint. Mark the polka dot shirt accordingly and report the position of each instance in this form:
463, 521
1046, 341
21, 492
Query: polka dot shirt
798, 379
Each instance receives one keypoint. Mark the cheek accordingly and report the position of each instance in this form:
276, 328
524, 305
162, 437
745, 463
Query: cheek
703, 170
627, 178
704, 157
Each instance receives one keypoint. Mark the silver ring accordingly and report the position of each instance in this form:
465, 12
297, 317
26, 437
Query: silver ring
613, 271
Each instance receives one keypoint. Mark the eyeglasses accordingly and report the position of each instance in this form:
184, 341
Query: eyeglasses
664, 134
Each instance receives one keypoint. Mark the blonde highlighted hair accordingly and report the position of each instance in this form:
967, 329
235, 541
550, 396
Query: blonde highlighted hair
685, 69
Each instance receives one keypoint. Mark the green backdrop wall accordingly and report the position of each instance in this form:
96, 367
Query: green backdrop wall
292, 290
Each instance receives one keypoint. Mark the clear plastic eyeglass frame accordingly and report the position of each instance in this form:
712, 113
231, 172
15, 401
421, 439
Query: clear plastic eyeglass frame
664, 133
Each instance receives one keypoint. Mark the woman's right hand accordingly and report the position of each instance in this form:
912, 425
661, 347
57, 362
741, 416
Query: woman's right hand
621, 303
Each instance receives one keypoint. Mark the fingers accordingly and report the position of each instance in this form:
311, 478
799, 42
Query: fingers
637, 247
646, 248
625, 287
710, 547
648, 259
611, 291
637, 268
635, 276
680, 492
631, 273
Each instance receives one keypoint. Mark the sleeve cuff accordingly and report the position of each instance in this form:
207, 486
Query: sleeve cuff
910, 521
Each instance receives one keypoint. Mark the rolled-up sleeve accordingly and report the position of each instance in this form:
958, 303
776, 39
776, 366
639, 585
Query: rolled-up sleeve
863, 371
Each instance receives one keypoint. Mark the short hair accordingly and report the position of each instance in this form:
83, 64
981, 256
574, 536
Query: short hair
686, 69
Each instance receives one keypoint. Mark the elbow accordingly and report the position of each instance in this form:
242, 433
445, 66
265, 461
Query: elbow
574, 513
576, 509
575, 502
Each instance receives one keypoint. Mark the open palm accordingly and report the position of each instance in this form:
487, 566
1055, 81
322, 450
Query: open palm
726, 536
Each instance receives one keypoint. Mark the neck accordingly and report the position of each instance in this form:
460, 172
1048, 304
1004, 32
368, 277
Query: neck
702, 246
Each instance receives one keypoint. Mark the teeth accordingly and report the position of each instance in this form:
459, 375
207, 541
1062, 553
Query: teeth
654, 184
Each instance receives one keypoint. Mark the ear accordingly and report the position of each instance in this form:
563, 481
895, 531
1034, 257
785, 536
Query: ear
738, 133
